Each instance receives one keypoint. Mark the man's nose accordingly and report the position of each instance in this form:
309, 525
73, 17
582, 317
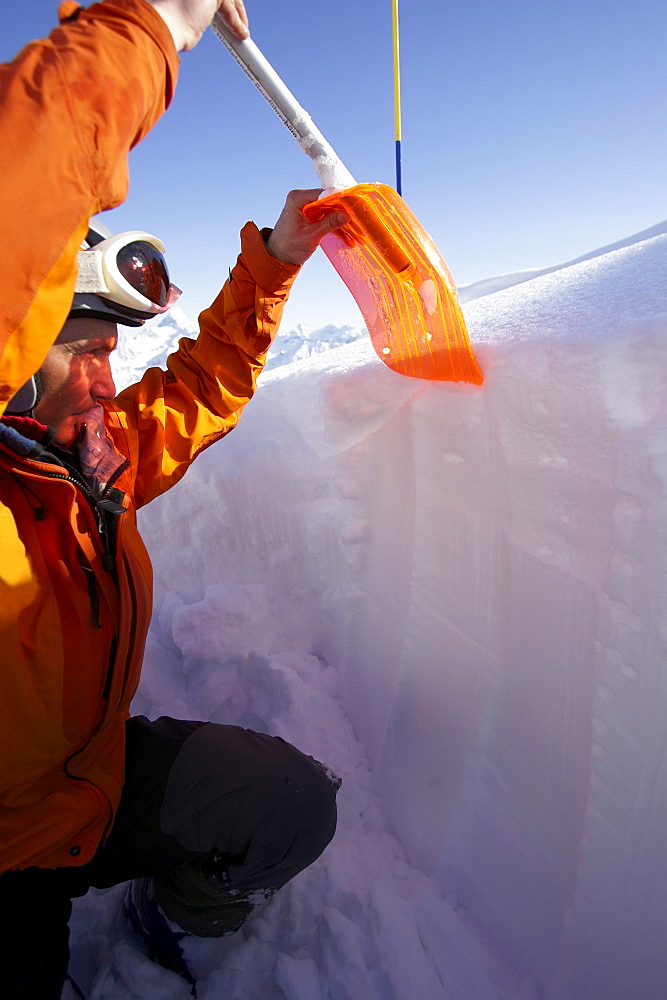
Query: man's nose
103, 386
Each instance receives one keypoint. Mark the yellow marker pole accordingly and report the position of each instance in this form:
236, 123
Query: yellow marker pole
397, 92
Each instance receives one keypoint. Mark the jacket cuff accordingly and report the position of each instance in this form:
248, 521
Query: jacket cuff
270, 274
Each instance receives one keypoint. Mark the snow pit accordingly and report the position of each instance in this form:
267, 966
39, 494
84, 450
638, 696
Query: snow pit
455, 596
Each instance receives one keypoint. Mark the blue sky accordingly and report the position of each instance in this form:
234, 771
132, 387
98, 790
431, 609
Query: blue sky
533, 132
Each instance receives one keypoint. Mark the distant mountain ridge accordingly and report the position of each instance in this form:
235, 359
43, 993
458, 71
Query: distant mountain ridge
302, 342
150, 346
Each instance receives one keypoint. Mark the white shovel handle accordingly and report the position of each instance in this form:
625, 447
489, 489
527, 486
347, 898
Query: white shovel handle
329, 168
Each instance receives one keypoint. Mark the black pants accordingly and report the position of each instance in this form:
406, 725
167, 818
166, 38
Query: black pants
213, 813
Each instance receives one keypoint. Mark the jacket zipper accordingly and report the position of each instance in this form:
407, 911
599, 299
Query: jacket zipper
97, 507
108, 558
93, 596
92, 587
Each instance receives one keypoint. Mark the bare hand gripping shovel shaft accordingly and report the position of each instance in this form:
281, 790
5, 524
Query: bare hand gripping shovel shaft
386, 258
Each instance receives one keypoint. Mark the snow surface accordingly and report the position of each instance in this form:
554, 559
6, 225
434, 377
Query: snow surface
454, 596
489, 285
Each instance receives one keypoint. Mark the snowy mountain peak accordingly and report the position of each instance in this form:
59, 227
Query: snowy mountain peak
139, 349
302, 343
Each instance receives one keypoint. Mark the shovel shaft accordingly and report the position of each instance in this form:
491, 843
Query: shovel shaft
328, 166
385, 257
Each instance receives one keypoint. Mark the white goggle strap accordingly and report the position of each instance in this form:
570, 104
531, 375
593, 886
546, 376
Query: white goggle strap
90, 278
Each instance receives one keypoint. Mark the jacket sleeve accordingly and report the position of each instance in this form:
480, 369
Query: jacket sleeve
71, 108
166, 419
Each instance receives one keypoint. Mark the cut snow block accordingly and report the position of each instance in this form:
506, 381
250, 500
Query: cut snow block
401, 284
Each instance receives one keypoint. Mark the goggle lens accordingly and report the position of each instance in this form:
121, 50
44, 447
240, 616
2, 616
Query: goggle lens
145, 269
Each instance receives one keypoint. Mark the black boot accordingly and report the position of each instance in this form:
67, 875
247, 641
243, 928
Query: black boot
150, 923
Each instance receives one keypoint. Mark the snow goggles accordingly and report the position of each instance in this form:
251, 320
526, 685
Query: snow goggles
124, 277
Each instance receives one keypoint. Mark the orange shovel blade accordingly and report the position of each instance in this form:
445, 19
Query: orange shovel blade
400, 283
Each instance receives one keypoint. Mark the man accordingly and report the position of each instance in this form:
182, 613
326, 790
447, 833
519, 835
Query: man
215, 813
206, 818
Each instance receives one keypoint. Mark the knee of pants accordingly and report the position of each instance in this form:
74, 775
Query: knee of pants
266, 808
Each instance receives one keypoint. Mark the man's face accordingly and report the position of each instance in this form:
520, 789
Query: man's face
75, 374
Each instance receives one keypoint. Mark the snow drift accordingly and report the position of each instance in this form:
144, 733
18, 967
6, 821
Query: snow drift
455, 597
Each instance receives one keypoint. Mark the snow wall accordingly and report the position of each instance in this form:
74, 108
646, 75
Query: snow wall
486, 568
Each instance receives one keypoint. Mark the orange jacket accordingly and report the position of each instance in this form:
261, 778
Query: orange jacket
72, 632
71, 107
